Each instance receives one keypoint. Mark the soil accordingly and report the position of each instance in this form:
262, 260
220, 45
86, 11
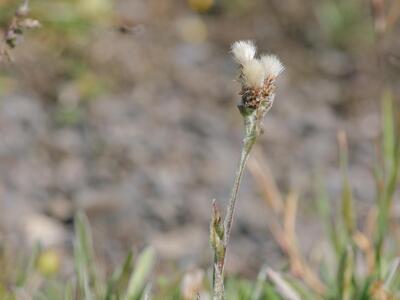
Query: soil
145, 158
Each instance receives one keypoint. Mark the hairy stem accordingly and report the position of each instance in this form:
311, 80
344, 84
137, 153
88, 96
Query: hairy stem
248, 143
219, 260
220, 235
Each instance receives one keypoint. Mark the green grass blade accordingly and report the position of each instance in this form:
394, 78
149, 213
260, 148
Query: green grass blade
388, 129
302, 290
50, 290
270, 293
325, 212
5, 294
69, 291
345, 275
137, 281
84, 256
120, 278
29, 267
364, 292
347, 195
391, 146
392, 279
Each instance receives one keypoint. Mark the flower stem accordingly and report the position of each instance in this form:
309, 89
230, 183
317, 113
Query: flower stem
248, 143
220, 236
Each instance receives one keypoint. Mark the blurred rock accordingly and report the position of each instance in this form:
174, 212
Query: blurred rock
145, 158
96, 202
185, 244
70, 174
60, 208
43, 230
335, 63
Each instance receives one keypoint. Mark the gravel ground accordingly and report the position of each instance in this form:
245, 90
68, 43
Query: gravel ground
145, 160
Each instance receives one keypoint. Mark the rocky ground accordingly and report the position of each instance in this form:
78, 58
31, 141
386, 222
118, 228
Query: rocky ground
145, 159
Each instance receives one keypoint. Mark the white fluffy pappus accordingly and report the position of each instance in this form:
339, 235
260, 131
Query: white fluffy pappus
243, 51
254, 73
272, 65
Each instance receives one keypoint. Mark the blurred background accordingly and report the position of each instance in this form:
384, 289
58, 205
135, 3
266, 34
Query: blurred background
127, 110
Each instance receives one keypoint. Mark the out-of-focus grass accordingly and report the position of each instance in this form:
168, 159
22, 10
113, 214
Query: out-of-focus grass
361, 261
63, 45
36, 278
344, 23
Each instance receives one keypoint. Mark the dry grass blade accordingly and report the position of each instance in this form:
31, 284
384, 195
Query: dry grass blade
289, 224
393, 15
284, 233
290, 217
282, 286
262, 276
261, 173
378, 13
366, 246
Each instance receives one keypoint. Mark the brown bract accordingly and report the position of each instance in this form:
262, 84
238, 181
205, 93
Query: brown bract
252, 97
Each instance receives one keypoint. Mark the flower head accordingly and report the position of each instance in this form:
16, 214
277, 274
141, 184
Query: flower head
243, 51
257, 75
253, 73
272, 65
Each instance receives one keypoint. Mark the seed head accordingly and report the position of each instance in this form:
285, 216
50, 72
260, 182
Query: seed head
243, 51
272, 66
253, 73
257, 75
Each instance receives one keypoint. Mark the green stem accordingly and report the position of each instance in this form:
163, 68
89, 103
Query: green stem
248, 143
252, 130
